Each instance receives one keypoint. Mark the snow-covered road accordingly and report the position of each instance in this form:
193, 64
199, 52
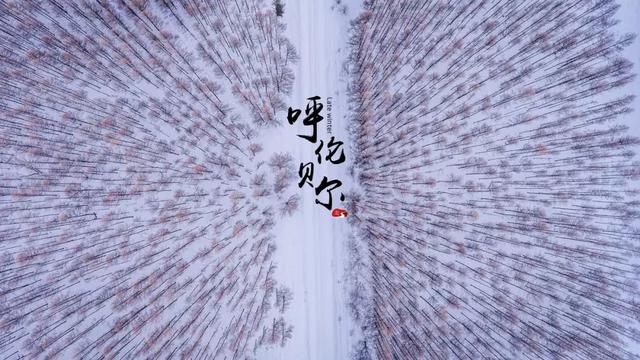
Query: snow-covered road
312, 245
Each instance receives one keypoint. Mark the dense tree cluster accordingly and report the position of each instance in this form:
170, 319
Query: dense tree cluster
497, 200
136, 203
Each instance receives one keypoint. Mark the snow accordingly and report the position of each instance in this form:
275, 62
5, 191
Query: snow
311, 244
312, 254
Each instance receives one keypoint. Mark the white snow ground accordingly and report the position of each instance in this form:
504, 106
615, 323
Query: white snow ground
311, 250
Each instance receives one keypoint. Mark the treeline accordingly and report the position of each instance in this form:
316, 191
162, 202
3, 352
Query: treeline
498, 200
136, 215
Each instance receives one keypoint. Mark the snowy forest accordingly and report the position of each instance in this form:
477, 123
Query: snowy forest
136, 203
149, 197
497, 197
